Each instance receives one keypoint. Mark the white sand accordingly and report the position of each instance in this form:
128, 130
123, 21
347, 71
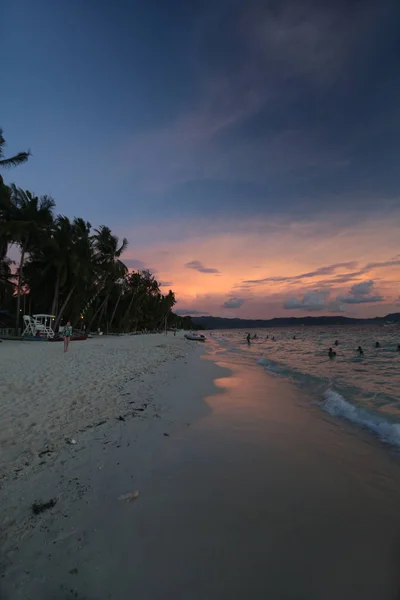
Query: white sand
108, 461
48, 396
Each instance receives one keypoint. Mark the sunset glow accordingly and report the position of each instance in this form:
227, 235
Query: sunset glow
267, 265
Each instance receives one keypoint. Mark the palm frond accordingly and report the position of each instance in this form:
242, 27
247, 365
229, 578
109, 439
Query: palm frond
16, 160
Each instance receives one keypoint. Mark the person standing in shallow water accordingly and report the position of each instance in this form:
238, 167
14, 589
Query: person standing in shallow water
67, 334
248, 338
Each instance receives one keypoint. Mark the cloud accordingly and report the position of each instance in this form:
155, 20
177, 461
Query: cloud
190, 312
303, 38
244, 69
134, 263
381, 265
314, 300
328, 270
360, 293
196, 265
233, 303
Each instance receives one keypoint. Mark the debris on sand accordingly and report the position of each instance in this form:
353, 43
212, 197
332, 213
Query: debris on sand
70, 441
130, 497
120, 418
166, 434
45, 452
39, 507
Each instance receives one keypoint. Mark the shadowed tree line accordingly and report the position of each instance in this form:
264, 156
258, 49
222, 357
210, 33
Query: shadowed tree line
71, 270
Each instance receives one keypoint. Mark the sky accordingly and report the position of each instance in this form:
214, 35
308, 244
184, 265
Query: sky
249, 151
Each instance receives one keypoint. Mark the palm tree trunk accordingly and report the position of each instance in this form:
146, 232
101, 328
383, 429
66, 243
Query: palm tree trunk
139, 304
64, 304
115, 309
104, 307
128, 310
21, 266
55, 297
95, 314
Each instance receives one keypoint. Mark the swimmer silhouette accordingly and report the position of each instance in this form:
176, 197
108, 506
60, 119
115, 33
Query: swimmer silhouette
336, 343
360, 351
331, 353
377, 345
248, 339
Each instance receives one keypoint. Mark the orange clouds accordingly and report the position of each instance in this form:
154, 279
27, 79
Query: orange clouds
265, 263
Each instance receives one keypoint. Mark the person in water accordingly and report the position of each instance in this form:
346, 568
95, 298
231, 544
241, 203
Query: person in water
360, 351
377, 345
331, 353
273, 338
255, 336
294, 337
398, 347
248, 338
336, 343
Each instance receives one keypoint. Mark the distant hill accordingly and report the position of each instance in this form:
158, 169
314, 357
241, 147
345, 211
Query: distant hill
222, 323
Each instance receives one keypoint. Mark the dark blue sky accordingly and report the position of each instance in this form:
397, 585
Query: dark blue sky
206, 106
173, 112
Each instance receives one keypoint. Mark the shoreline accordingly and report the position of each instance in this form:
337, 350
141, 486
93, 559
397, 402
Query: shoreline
253, 492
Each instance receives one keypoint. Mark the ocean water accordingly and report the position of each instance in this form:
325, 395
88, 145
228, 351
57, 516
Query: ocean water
362, 389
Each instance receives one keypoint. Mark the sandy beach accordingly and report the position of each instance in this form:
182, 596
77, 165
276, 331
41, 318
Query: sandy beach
48, 396
253, 492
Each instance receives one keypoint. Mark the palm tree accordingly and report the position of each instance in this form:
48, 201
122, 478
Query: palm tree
49, 261
23, 221
12, 161
107, 248
6, 284
107, 252
142, 285
78, 263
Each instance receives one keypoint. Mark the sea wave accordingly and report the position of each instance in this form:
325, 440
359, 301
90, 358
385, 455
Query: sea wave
269, 365
338, 406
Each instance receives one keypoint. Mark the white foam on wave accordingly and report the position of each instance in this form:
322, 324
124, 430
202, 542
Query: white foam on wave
337, 406
267, 364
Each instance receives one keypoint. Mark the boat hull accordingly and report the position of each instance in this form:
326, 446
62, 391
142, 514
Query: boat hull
195, 338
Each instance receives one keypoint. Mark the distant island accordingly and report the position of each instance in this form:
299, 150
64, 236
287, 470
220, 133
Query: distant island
223, 323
